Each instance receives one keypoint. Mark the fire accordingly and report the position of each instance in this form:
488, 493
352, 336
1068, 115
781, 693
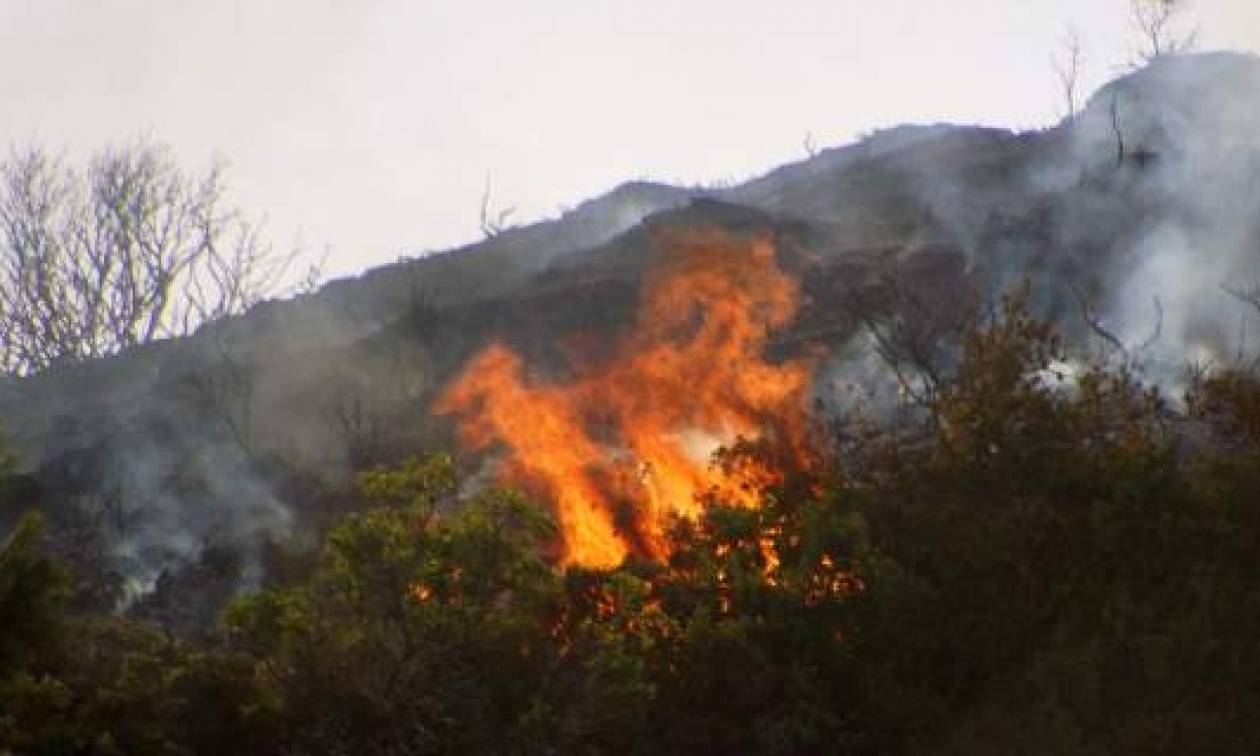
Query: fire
624, 446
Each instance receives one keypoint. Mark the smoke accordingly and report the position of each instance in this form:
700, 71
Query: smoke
142, 497
1141, 213
1179, 144
214, 444
856, 377
175, 501
1143, 210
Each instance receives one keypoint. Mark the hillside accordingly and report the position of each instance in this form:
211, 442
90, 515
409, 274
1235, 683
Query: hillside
1134, 214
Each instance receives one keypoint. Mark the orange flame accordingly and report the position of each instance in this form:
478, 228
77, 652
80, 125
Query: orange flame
624, 446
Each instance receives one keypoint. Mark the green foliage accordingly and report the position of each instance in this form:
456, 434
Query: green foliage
32, 592
124, 687
417, 628
418, 484
1049, 563
73, 684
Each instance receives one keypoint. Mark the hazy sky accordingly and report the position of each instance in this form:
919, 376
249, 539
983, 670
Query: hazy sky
370, 126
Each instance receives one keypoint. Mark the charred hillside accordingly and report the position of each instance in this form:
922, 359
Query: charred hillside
1130, 219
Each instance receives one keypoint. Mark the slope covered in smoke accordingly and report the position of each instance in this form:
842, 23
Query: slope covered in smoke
1136, 216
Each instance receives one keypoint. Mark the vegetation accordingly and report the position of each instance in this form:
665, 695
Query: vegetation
1041, 563
129, 250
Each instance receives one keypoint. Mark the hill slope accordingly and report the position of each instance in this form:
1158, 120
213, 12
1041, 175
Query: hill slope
1136, 213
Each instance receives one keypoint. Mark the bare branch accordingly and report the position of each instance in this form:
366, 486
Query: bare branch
1249, 296
1095, 324
811, 147
1155, 22
493, 222
1116, 131
1158, 330
910, 330
131, 250
1067, 64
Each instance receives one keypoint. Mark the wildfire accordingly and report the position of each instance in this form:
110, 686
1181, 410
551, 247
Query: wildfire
625, 445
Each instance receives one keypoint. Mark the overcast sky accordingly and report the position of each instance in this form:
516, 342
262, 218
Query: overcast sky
371, 126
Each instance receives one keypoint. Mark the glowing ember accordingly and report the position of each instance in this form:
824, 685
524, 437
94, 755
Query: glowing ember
624, 446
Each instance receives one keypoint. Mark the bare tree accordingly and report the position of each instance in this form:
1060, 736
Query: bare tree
224, 389
1130, 357
1067, 63
359, 421
493, 222
129, 250
811, 147
1116, 131
1155, 22
914, 330
1249, 296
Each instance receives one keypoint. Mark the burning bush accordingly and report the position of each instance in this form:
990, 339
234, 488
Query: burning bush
624, 446
1026, 569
